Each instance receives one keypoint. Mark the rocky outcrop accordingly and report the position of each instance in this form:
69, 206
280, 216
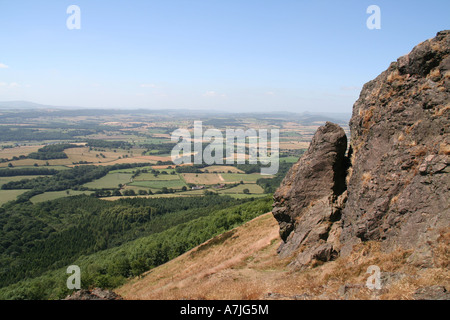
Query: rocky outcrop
397, 189
432, 293
94, 294
310, 198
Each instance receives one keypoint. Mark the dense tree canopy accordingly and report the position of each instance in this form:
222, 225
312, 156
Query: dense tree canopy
112, 240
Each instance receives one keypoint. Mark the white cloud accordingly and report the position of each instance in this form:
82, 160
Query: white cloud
9, 85
3, 66
213, 94
270, 93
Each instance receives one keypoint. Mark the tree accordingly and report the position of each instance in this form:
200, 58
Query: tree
246, 191
129, 192
138, 267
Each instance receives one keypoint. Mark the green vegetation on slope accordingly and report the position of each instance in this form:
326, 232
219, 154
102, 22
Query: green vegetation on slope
63, 180
110, 241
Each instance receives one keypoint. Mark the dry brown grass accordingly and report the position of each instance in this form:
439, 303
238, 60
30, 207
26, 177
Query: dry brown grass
367, 117
420, 151
221, 169
18, 151
366, 178
434, 74
394, 76
243, 265
409, 129
202, 178
287, 145
349, 174
444, 148
235, 267
424, 86
442, 250
441, 110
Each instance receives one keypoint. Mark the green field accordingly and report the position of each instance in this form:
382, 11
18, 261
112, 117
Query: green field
130, 170
9, 195
111, 180
159, 184
243, 195
49, 167
290, 159
4, 180
47, 196
151, 176
252, 187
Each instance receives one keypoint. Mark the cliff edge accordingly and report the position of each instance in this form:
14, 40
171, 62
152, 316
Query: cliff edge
392, 184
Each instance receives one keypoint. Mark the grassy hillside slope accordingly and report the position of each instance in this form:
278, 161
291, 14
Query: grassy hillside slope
242, 264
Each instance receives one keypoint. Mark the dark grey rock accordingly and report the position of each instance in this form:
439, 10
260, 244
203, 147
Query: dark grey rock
397, 189
307, 202
432, 293
95, 294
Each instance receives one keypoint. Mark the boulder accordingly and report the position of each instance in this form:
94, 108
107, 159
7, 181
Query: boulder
309, 199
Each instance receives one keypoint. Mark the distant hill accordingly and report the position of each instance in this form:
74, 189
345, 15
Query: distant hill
305, 118
24, 105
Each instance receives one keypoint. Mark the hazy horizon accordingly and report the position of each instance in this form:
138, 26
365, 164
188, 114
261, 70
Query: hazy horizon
21, 105
234, 56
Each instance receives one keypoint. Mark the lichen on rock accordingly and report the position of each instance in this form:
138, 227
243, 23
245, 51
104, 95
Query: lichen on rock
393, 184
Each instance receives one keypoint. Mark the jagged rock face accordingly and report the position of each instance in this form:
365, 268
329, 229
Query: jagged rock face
305, 204
398, 191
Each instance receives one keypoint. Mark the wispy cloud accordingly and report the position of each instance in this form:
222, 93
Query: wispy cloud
3, 66
9, 85
213, 94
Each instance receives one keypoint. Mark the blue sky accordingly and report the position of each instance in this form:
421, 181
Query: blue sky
227, 55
